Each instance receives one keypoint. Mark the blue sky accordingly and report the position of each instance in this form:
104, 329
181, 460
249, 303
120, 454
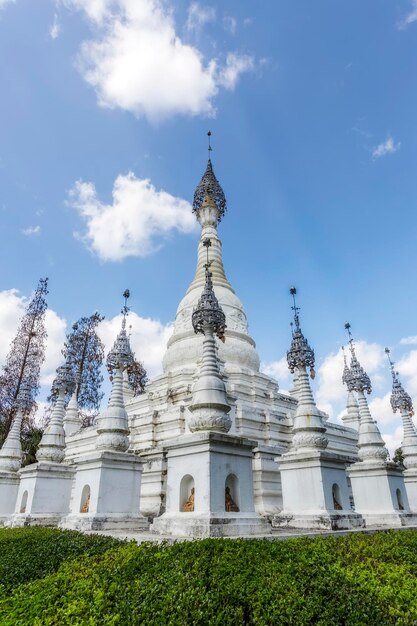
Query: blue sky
312, 108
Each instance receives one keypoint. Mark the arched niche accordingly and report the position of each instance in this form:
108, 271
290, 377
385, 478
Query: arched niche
24, 502
337, 497
400, 501
85, 499
187, 494
231, 494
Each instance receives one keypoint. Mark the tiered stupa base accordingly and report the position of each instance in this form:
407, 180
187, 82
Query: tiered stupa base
106, 493
315, 493
9, 487
44, 494
380, 495
410, 482
209, 472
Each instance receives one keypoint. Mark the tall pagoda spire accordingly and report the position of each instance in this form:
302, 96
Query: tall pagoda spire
11, 451
401, 401
351, 417
112, 424
370, 442
184, 347
209, 405
308, 424
52, 445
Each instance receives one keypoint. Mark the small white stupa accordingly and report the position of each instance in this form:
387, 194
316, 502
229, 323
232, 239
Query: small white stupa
401, 401
11, 455
45, 486
377, 484
107, 483
314, 484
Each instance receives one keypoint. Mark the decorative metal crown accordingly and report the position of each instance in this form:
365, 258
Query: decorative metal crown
24, 400
208, 311
209, 186
121, 354
65, 379
356, 378
346, 370
300, 354
400, 399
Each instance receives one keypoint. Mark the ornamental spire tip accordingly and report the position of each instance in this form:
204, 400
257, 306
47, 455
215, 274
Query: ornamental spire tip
300, 354
356, 379
400, 399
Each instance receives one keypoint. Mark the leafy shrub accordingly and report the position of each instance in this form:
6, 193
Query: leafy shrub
29, 553
354, 580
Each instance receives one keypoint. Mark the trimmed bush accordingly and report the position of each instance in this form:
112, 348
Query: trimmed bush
29, 553
354, 580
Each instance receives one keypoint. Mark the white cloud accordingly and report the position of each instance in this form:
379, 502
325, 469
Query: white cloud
55, 28
138, 63
386, 147
31, 231
410, 17
230, 24
199, 15
12, 308
136, 221
393, 440
56, 328
4, 2
381, 410
409, 341
148, 339
407, 367
278, 370
331, 391
235, 66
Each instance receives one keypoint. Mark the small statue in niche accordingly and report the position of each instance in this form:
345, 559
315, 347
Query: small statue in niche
336, 504
23, 508
188, 507
230, 505
86, 506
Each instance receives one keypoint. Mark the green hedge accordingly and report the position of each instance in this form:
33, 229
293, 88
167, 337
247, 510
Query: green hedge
354, 580
29, 553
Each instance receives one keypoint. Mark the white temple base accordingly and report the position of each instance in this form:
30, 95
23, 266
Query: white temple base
43, 495
198, 525
9, 487
106, 493
207, 464
318, 520
410, 482
380, 495
312, 482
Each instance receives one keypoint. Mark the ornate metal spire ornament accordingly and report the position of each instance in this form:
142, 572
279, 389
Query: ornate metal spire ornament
121, 355
356, 379
300, 354
400, 399
209, 186
65, 379
208, 312
346, 370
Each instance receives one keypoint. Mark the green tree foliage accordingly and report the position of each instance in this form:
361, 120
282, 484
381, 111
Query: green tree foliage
399, 457
30, 437
24, 360
84, 353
